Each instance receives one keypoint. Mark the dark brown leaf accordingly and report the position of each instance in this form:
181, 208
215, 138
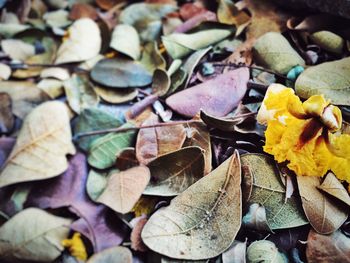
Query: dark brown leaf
7, 119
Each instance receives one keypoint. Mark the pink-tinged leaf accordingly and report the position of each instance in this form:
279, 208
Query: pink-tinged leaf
217, 96
135, 236
68, 190
6, 145
195, 21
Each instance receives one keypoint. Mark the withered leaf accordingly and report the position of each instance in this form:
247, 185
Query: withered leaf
332, 186
196, 224
25, 236
265, 251
41, 147
124, 188
269, 191
135, 236
154, 142
236, 253
328, 248
217, 96
174, 172
125, 39
126, 159
116, 96
112, 255
324, 214
7, 119
256, 218
81, 10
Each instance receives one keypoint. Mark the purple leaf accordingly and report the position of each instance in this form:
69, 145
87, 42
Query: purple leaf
217, 97
6, 145
68, 190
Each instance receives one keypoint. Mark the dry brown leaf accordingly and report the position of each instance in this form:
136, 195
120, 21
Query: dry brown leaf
135, 236
126, 159
332, 186
243, 53
153, 142
41, 147
7, 119
266, 17
328, 248
125, 188
81, 10
324, 214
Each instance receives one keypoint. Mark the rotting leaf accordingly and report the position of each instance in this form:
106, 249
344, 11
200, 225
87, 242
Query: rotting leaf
124, 188
197, 220
125, 39
274, 51
25, 236
80, 93
265, 251
325, 215
120, 73
24, 94
229, 89
174, 172
7, 119
330, 79
157, 141
83, 43
269, 191
102, 151
92, 119
41, 147
332, 186
112, 255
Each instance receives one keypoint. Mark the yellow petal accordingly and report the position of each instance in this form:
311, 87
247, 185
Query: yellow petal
315, 105
75, 246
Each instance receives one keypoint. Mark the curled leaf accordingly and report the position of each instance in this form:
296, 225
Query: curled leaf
125, 39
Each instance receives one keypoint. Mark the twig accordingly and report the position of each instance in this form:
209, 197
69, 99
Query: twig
251, 67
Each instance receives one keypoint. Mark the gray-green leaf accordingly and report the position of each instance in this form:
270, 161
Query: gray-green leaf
125, 39
330, 78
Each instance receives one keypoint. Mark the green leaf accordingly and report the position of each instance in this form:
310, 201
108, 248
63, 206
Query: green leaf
80, 93
34, 235
103, 151
273, 50
269, 191
330, 78
179, 45
91, 120
201, 222
96, 183
125, 39
120, 73
174, 172
328, 41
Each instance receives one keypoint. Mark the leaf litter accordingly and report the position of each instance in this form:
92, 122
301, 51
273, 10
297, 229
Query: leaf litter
139, 132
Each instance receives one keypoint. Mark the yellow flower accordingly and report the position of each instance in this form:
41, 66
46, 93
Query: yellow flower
75, 246
306, 135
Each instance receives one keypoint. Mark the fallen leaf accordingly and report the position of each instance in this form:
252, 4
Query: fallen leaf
125, 39
102, 151
83, 43
5, 71
236, 253
126, 159
329, 78
17, 49
198, 135
157, 141
112, 255
228, 13
96, 183
135, 236
55, 72
229, 90
269, 191
324, 214
161, 82
7, 119
174, 172
123, 189
266, 17
247, 184
10, 29
82, 10
25, 96
41, 147
196, 224
328, 41
57, 19
195, 21
116, 96
265, 251
146, 18
152, 58
145, 205
242, 54
93, 119
274, 51
52, 87
179, 45
327, 248
224, 124
6, 145
107, 4
120, 73
36, 227
188, 10
79, 92
102, 228
332, 186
